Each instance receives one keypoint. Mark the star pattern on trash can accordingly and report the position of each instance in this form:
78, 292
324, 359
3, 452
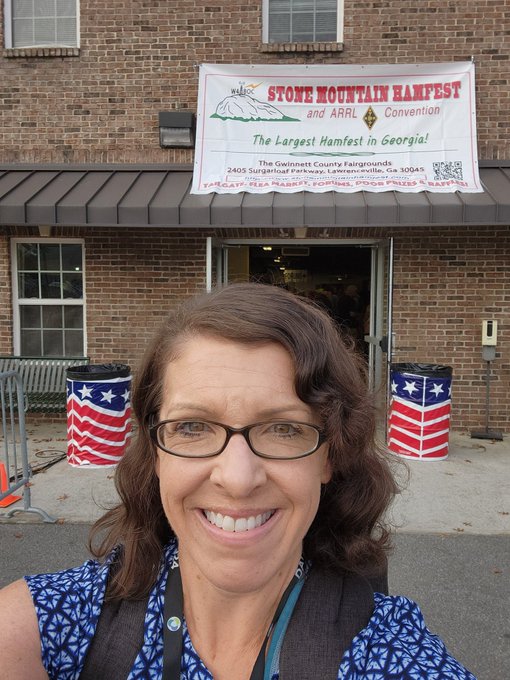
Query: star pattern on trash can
410, 387
85, 391
107, 396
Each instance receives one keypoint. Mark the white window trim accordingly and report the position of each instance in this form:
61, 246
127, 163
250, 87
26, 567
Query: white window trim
8, 30
339, 21
49, 301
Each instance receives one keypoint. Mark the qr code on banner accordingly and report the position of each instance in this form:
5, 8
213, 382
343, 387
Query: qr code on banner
448, 170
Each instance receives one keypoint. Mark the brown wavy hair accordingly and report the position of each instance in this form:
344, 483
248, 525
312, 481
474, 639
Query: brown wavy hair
348, 531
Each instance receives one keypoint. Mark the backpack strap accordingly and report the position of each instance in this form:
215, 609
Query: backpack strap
117, 640
332, 609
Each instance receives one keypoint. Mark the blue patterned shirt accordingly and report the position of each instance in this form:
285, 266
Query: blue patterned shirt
395, 644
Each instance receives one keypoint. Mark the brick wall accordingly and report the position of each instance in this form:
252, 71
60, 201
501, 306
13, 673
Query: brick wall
132, 278
138, 58
445, 282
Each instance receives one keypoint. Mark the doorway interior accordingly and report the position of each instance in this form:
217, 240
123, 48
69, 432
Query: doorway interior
350, 279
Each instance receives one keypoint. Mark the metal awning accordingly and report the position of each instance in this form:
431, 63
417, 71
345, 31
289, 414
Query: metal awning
159, 196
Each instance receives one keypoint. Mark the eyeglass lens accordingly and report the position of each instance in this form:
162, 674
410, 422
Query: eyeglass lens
201, 438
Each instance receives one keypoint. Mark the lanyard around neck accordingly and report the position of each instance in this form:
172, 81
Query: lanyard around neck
173, 620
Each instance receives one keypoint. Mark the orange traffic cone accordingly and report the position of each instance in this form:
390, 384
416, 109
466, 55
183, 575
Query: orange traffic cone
4, 486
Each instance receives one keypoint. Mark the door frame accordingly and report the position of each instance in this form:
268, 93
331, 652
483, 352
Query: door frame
381, 271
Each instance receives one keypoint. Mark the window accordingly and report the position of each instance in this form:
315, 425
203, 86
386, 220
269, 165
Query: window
41, 23
49, 317
302, 21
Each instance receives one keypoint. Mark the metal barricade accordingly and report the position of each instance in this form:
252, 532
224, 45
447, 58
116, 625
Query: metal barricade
15, 471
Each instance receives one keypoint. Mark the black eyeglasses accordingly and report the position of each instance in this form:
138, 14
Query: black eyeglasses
281, 440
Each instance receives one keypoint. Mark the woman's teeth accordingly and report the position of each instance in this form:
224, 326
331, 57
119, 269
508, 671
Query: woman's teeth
228, 523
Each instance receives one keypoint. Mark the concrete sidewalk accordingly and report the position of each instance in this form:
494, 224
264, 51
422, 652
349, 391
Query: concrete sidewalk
467, 493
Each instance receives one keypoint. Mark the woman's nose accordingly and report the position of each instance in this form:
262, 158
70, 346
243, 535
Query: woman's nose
237, 469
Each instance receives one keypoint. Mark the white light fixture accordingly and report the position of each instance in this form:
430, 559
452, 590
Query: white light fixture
176, 129
45, 230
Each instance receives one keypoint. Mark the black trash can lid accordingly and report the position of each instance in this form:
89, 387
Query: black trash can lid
425, 370
97, 372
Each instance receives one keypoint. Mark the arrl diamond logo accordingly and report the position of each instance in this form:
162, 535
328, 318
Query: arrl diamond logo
370, 118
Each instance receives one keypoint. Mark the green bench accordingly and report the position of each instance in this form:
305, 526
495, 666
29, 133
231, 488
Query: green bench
44, 380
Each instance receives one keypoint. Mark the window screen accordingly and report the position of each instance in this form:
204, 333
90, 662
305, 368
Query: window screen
37, 23
302, 20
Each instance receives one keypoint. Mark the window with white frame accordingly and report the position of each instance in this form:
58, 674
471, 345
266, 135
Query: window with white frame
41, 23
49, 308
302, 21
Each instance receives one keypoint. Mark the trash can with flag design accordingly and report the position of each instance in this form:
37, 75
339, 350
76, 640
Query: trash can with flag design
420, 409
98, 414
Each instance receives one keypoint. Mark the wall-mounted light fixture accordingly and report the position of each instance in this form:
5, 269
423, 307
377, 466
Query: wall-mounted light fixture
300, 232
176, 129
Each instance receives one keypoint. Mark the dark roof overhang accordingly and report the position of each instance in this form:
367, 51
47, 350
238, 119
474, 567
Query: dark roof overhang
159, 196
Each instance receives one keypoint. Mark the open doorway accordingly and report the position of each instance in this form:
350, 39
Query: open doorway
336, 277
348, 279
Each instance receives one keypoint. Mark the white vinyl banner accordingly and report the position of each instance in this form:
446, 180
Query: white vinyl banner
288, 128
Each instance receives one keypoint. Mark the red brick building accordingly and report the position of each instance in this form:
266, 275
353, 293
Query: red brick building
99, 234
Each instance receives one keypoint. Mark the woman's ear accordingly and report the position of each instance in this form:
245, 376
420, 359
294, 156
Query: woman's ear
157, 465
327, 468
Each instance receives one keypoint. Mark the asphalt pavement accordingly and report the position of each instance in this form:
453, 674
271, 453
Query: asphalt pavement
452, 537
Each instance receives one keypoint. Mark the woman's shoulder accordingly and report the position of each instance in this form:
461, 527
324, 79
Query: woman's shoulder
79, 585
19, 631
67, 605
86, 573
397, 642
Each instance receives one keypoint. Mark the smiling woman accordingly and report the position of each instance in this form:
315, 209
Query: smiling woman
250, 515
241, 385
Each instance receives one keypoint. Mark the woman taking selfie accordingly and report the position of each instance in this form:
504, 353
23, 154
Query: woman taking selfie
248, 540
